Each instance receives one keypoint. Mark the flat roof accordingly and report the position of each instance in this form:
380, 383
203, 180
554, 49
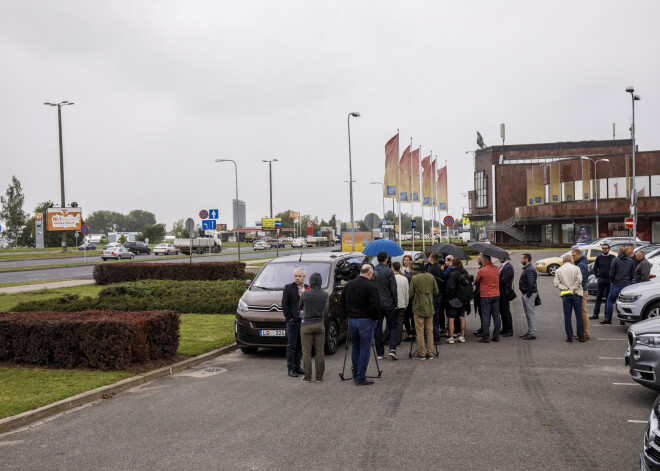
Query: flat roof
566, 145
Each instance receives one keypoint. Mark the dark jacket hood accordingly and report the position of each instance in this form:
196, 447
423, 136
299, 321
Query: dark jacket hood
315, 281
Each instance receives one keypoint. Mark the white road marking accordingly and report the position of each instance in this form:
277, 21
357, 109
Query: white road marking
638, 421
11, 443
610, 358
624, 384
613, 339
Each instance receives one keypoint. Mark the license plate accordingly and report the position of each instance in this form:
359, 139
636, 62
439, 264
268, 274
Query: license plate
272, 333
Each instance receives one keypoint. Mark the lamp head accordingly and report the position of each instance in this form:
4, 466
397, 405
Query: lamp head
221, 160
630, 89
604, 160
355, 114
636, 97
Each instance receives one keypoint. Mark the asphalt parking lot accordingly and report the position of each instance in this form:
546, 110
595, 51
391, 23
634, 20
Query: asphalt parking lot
541, 404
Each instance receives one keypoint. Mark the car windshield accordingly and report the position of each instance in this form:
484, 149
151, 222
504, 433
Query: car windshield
275, 275
161, 245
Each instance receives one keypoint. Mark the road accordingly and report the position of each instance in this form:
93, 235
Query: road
541, 404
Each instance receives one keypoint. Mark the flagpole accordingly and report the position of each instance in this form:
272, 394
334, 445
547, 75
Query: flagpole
398, 185
436, 210
447, 202
412, 208
421, 199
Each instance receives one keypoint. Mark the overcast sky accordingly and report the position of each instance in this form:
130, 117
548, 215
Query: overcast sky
162, 89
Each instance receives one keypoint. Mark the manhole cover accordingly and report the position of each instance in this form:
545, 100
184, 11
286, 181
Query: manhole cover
202, 372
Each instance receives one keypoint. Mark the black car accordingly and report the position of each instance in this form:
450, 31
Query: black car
87, 246
137, 248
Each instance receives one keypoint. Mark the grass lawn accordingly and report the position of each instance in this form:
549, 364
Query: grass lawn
7, 284
201, 333
7, 301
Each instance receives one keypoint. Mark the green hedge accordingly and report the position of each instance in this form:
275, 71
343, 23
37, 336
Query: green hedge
200, 297
105, 274
94, 339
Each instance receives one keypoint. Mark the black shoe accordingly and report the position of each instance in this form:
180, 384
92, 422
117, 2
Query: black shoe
293, 373
300, 371
524, 335
594, 317
529, 337
438, 342
507, 334
605, 322
477, 333
366, 382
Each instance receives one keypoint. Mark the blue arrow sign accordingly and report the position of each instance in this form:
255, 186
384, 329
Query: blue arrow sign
278, 223
209, 224
213, 213
413, 222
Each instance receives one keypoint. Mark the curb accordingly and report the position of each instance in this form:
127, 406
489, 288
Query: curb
26, 418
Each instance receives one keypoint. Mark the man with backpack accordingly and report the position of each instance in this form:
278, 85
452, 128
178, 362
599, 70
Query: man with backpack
527, 286
459, 295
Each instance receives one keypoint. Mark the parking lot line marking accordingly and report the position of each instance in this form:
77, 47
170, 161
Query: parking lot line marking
613, 339
638, 421
610, 358
624, 384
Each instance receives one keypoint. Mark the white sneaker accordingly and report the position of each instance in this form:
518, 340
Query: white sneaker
461, 339
450, 340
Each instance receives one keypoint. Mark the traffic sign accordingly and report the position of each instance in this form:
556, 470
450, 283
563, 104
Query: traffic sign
213, 213
203, 214
208, 225
278, 223
190, 225
630, 223
277, 231
448, 221
384, 222
310, 223
84, 229
413, 223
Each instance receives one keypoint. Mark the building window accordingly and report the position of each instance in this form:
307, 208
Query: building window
567, 234
481, 189
655, 186
655, 232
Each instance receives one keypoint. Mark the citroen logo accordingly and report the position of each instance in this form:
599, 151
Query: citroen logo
274, 307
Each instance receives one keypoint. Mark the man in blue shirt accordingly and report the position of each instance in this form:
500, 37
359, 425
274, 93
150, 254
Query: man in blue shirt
602, 274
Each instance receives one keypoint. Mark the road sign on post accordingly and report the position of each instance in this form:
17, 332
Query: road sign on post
310, 228
413, 223
630, 223
203, 214
213, 213
84, 229
190, 226
209, 224
448, 221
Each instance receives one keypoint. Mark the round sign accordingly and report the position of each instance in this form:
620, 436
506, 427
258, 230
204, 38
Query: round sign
630, 223
448, 221
84, 229
203, 214
310, 223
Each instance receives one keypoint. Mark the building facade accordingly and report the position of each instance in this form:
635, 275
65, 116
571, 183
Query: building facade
239, 217
546, 193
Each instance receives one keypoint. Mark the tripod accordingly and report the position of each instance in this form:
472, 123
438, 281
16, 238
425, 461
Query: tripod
410, 355
373, 349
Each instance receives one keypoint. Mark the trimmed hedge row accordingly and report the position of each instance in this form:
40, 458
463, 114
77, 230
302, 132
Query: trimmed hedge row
200, 297
105, 340
105, 274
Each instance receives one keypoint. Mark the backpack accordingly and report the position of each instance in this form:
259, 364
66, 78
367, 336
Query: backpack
464, 287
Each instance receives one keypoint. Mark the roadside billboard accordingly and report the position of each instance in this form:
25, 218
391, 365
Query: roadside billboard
64, 219
362, 239
268, 224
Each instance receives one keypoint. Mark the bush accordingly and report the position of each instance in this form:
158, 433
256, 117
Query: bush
201, 297
105, 274
94, 339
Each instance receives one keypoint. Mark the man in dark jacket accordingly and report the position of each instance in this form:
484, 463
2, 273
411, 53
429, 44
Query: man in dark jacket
312, 308
386, 285
527, 286
360, 302
622, 272
643, 268
435, 269
506, 285
602, 274
290, 303
583, 264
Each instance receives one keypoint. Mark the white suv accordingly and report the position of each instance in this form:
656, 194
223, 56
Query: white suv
638, 302
298, 242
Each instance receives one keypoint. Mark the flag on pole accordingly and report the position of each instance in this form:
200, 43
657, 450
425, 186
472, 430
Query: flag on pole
415, 176
426, 181
391, 168
404, 176
434, 185
442, 188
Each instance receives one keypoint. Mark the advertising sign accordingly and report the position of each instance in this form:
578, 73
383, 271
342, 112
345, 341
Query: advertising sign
362, 239
64, 219
269, 223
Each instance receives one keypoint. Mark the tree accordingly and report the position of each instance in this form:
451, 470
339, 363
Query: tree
12, 211
178, 227
333, 221
138, 218
102, 222
155, 233
122, 239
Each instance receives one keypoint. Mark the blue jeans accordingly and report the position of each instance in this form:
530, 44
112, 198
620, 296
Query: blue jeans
437, 312
490, 307
611, 299
362, 333
603, 290
293, 345
573, 302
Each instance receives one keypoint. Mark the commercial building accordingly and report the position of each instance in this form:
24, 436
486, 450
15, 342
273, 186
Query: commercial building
239, 218
546, 193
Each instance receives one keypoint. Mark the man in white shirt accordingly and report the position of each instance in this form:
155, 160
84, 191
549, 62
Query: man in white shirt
402, 286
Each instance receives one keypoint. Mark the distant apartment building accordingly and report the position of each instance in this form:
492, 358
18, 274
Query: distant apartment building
238, 210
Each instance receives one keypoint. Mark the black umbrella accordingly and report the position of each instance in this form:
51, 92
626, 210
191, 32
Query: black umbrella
489, 249
448, 249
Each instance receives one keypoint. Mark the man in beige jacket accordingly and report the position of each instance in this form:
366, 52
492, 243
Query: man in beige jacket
568, 279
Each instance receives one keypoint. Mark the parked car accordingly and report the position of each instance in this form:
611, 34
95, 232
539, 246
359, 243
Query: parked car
609, 241
259, 316
166, 249
137, 247
261, 245
643, 353
416, 255
298, 242
550, 265
87, 246
112, 244
116, 253
649, 459
638, 302
276, 243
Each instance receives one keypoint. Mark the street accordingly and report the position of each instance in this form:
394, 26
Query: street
541, 404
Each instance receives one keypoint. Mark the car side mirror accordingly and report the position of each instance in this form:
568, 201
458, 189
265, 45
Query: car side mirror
247, 284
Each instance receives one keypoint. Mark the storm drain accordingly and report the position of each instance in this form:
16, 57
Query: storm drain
202, 372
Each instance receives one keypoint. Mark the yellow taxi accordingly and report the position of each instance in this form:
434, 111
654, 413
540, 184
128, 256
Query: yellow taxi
550, 265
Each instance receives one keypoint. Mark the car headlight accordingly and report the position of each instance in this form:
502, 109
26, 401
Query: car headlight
656, 407
629, 298
648, 340
540, 264
242, 306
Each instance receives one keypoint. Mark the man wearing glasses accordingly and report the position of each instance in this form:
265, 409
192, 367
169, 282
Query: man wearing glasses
602, 274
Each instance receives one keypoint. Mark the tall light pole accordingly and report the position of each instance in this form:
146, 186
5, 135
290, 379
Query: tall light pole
383, 185
633, 194
59, 122
597, 186
238, 237
355, 114
270, 173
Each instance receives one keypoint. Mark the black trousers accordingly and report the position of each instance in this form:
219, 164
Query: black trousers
389, 315
505, 312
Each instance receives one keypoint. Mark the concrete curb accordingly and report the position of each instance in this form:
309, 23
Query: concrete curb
26, 418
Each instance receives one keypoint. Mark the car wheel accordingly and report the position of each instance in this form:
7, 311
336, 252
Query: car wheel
249, 350
132, 256
331, 338
652, 311
104, 259
552, 269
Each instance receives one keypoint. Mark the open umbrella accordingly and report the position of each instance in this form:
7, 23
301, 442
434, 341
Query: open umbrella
374, 248
489, 249
449, 249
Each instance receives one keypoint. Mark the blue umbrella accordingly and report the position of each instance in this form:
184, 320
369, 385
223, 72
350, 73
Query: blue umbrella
374, 248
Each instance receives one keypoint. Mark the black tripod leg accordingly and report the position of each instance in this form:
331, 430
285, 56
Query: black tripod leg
411, 346
380, 372
348, 339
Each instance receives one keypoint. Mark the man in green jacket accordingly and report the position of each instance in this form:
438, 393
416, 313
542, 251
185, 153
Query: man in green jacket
423, 288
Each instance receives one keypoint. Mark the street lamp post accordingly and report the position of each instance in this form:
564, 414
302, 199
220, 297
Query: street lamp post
633, 194
238, 237
59, 122
597, 186
270, 173
383, 185
355, 114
